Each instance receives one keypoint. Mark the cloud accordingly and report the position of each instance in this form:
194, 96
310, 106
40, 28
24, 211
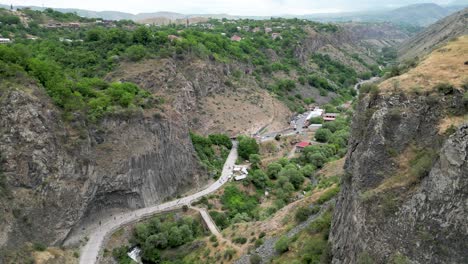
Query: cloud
237, 7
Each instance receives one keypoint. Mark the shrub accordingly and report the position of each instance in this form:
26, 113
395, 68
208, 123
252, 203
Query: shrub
255, 259
247, 146
282, 245
323, 135
273, 169
316, 120
303, 213
229, 253
328, 195
465, 98
38, 246
136, 52
240, 240
422, 163
258, 242
445, 88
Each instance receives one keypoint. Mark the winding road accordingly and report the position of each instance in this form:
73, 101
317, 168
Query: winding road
90, 253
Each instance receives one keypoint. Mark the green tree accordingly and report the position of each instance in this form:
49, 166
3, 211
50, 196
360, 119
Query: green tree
282, 245
247, 146
323, 135
273, 169
135, 52
142, 35
255, 160
259, 178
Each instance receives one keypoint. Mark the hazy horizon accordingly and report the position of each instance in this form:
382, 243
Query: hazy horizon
239, 7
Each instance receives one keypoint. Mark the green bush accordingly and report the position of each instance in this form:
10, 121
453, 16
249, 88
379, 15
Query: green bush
316, 120
255, 259
247, 146
38, 246
445, 88
238, 202
323, 135
282, 245
422, 163
328, 195
240, 240
273, 170
303, 213
136, 52
221, 219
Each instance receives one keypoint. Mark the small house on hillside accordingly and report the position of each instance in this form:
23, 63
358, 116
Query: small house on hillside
301, 145
329, 117
276, 36
5, 40
173, 37
268, 30
316, 112
236, 38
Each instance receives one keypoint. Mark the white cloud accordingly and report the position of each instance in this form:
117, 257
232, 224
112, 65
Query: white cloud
233, 7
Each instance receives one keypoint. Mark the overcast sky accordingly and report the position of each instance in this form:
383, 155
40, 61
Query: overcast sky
232, 7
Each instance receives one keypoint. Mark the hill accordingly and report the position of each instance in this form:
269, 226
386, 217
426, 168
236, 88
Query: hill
417, 15
435, 35
403, 196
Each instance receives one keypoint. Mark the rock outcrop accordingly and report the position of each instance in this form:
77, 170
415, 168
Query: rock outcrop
404, 195
60, 175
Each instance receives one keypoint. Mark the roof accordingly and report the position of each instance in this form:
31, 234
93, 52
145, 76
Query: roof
236, 38
241, 177
303, 144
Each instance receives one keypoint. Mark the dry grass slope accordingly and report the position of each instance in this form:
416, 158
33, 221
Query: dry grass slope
444, 65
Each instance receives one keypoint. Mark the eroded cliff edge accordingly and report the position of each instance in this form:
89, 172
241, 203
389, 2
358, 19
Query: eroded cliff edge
57, 174
404, 196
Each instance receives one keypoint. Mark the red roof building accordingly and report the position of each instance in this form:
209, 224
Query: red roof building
236, 38
302, 145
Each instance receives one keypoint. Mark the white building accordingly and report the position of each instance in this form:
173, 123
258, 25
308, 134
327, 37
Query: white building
317, 112
5, 40
240, 177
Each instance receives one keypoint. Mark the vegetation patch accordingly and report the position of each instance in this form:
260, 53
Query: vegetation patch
212, 151
160, 234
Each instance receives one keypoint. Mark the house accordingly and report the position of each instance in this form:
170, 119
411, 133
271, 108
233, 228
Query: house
301, 145
135, 254
236, 38
173, 37
74, 25
316, 112
329, 117
255, 30
5, 40
240, 177
268, 30
246, 28
276, 35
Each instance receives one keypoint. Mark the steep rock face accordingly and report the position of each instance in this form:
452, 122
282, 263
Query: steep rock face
60, 175
405, 192
205, 95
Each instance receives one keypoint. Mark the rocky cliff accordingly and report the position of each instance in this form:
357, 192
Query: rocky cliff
60, 175
404, 195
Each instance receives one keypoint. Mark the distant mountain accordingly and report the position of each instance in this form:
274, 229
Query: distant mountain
435, 35
417, 15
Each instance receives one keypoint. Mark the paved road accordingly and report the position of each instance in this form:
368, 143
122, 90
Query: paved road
371, 80
90, 252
